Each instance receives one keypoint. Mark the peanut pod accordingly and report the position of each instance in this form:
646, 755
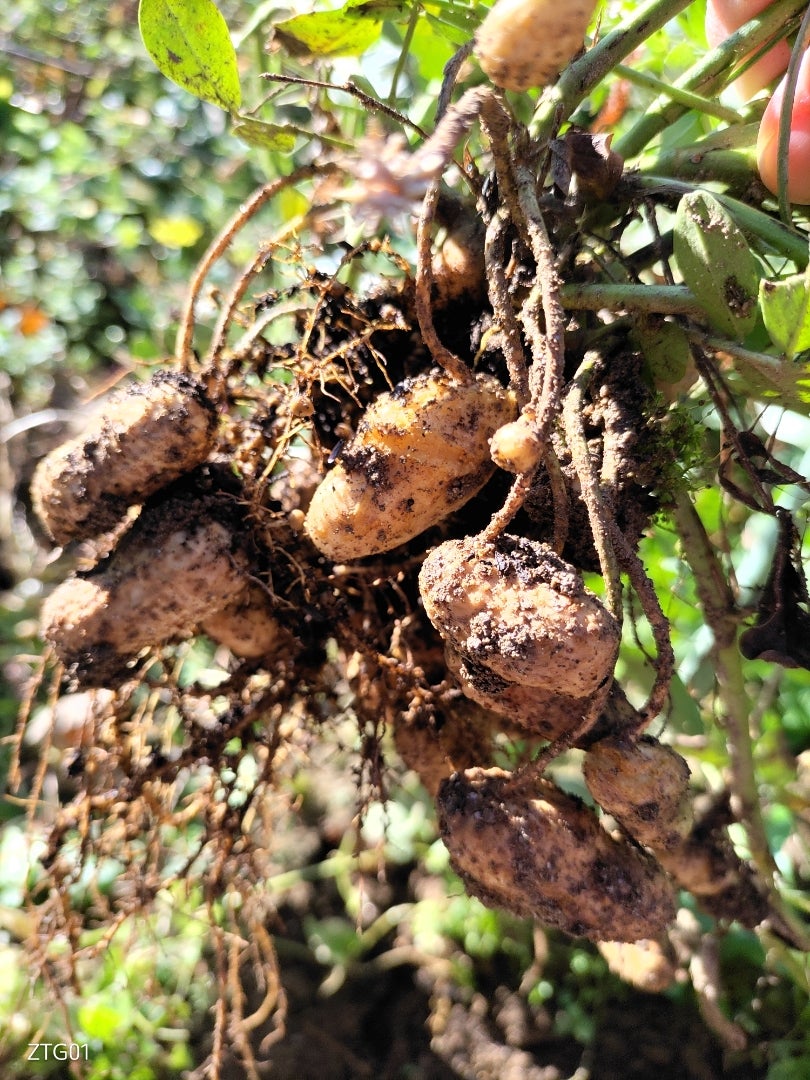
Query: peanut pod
531, 849
420, 452
525, 43
148, 436
180, 563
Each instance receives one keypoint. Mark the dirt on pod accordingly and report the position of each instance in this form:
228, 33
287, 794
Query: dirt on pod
420, 452
531, 848
148, 435
180, 563
517, 609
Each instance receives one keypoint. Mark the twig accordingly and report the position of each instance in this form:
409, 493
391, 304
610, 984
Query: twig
659, 624
455, 122
559, 497
449, 76
512, 503
371, 103
443, 356
512, 344
546, 381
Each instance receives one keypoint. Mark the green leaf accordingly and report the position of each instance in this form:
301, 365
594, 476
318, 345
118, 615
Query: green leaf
190, 44
665, 347
771, 378
346, 32
716, 263
785, 309
270, 136
102, 1020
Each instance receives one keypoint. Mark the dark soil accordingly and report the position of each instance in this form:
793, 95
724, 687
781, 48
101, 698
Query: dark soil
379, 1028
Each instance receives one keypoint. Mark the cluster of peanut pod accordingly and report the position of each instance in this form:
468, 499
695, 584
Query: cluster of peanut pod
530, 647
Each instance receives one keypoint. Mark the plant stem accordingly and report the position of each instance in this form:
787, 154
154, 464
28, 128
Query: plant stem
722, 618
735, 167
403, 55
580, 77
786, 117
626, 296
589, 484
685, 97
709, 74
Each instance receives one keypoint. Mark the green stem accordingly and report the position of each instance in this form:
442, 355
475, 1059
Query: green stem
650, 299
786, 118
580, 77
402, 60
685, 97
727, 157
710, 74
754, 223
723, 618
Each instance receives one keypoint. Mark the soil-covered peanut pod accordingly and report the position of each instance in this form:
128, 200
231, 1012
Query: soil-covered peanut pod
420, 452
546, 714
180, 563
524, 43
516, 608
526, 846
644, 785
147, 436
247, 625
707, 865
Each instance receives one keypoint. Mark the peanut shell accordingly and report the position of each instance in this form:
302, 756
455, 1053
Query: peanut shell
516, 608
525, 43
420, 452
246, 626
148, 436
178, 564
531, 849
644, 785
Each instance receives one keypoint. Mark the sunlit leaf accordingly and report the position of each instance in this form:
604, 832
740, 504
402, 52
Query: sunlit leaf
774, 379
176, 232
260, 133
347, 32
785, 309
190, 44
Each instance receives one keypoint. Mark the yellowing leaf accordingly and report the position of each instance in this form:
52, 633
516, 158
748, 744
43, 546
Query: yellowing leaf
259, 133
190, 44
329, 33
176, 232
